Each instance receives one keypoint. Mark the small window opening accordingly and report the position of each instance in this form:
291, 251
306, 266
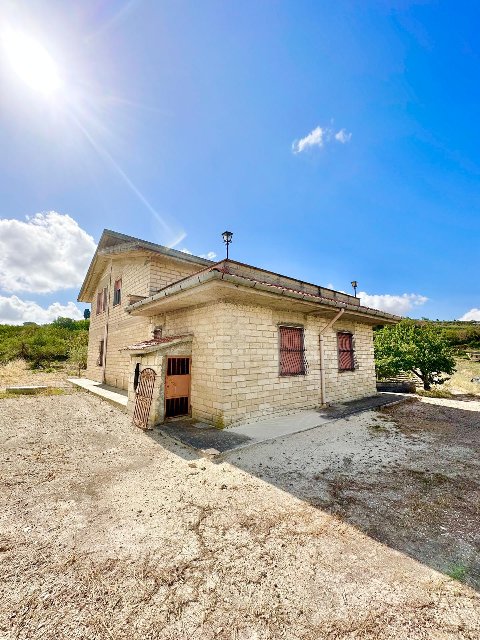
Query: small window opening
100, 353
117, 292
346, 356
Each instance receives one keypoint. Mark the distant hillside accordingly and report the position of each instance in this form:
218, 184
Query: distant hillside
41, 345
463, 336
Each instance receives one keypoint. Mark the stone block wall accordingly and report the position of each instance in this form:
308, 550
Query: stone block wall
235, 361
123, 329
141, 275
164, 271
206, 350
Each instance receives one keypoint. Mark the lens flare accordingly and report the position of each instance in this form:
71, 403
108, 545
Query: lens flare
32, 62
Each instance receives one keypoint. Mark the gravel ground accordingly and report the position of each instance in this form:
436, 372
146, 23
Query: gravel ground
110, 532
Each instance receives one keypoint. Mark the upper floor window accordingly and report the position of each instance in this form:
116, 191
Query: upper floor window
346, 358
98, 307
117, 292
101, 301
292, 351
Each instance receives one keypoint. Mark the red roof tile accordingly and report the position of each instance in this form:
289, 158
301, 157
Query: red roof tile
153, 342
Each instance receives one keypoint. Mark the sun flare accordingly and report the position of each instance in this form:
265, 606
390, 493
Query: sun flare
32, 62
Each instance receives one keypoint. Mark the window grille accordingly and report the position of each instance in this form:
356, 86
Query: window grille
292, 352
346, 357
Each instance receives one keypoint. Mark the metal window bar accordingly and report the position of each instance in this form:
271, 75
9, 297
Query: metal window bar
346, 359
176, 407
178, 367
292, 352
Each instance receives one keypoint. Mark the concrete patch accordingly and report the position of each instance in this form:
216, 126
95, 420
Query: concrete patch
212, 441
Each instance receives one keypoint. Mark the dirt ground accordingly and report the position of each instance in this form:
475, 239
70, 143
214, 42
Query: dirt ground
346, 531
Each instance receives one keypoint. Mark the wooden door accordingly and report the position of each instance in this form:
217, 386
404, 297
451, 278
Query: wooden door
177, 386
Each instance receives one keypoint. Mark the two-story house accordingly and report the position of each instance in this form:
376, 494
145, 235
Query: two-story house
223, 341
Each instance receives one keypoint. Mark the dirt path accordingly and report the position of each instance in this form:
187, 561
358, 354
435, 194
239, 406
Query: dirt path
109, 532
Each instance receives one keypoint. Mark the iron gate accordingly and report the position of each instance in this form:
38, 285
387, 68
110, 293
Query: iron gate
143, 401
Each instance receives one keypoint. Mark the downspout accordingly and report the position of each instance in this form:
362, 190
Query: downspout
322, 355
105, 336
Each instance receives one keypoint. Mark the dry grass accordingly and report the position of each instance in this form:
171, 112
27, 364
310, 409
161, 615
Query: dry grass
49, 391
461, 380
17, 372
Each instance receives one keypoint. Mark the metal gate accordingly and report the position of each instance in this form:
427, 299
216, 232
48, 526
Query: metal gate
177, 387
143, 400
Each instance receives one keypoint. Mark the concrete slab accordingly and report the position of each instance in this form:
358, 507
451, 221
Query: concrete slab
205, 438
212, 441
118, 397
260, 431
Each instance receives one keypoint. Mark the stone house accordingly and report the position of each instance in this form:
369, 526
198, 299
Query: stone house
222, 342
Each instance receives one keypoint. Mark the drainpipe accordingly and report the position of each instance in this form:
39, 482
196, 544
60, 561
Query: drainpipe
322, 354
105, 335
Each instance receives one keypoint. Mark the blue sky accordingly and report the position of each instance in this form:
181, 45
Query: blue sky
337, 140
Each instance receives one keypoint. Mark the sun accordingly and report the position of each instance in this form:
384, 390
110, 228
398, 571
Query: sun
32, 62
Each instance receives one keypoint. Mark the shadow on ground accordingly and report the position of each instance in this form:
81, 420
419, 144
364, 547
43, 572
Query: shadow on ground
405, 475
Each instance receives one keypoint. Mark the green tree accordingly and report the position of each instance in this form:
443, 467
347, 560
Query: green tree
78, 350
409, 346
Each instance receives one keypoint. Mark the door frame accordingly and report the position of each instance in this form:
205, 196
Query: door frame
189, 413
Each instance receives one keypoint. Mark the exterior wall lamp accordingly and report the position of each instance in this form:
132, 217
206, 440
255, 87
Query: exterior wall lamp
354, 284
227, 238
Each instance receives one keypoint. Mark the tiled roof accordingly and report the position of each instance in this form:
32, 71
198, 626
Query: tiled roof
147, 344
224, 269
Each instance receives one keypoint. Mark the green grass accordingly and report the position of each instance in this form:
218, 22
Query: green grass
435, 392
458, 572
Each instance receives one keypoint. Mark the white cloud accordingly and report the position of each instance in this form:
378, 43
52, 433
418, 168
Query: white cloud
315, 138
319, 137
48, 252
473, 314
211, 255
343, 136
13, 310
399, 305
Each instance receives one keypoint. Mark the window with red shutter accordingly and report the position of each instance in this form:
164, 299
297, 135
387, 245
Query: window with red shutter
117, 292
292, 351
99, 303
346, 358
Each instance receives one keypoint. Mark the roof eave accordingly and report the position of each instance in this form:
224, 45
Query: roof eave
205, 277
126, 244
